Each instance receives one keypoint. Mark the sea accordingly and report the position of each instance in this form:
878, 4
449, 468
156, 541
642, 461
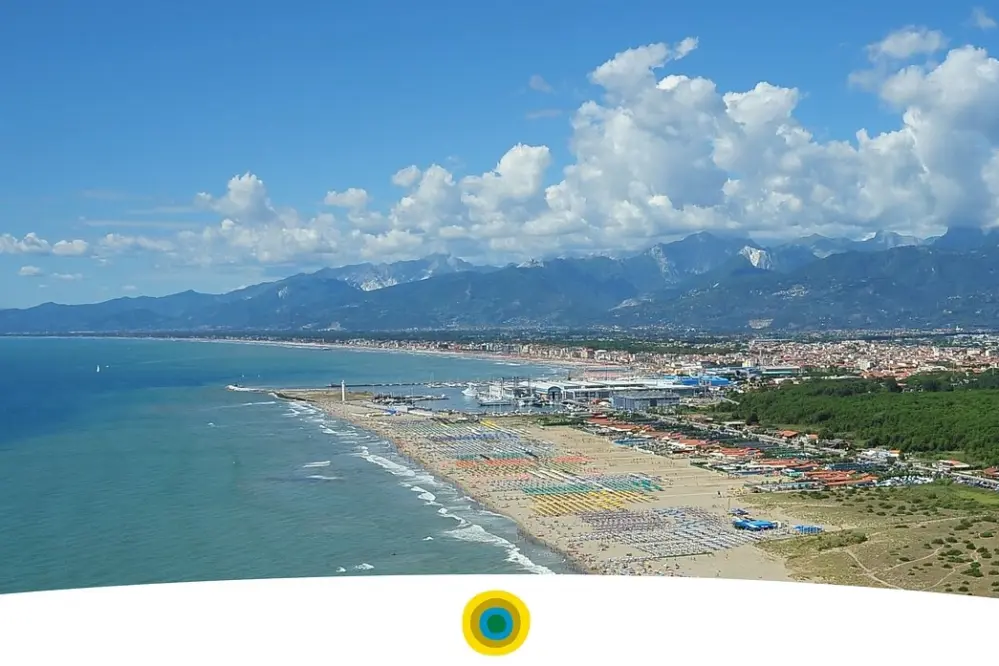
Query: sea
126, 461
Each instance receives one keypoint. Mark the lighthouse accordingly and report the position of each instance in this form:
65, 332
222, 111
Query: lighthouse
343, 391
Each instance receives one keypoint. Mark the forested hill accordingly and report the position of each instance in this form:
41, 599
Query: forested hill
932, 413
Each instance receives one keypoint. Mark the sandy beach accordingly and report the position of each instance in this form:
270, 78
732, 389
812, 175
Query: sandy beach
647, 515
513, 359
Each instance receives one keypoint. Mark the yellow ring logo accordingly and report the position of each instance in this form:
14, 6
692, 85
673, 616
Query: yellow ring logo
496, 623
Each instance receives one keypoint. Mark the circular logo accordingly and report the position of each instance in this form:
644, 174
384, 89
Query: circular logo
496, 623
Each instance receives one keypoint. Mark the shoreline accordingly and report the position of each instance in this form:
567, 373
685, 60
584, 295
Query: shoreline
543, 520
574, 567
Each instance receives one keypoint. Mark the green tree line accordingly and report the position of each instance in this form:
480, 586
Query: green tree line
930, 413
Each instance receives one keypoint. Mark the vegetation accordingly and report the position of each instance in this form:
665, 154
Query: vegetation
937, 537
932, 413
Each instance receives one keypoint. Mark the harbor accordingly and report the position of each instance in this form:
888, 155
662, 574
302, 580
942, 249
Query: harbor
551, 395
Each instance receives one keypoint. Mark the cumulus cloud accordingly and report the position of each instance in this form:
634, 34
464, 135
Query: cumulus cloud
659, 156
655, 156
73, 248
908, 42
898, 46
32, 243
30, 271
351, 198
67, 277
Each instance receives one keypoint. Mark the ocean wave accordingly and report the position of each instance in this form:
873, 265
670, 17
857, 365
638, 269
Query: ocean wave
322, 477
251, 403
341, 570
318, 463
447, 514
415, 480
428, 497
477, 534
397, 469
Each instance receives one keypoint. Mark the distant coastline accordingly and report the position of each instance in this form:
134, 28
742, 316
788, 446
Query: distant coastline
292, 344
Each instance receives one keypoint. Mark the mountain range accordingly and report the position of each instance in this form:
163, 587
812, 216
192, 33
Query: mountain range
705, 282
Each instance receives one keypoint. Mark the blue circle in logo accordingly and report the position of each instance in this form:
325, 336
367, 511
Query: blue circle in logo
496, 624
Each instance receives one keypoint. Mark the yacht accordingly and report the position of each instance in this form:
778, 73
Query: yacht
493, 402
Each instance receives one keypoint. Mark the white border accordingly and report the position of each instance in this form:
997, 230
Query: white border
417, 620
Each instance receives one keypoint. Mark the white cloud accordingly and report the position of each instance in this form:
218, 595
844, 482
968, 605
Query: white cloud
73, 248
36, 272
32, 243
538, 83
353, 197
980, 19
898, 46
684, 48
908, 42
656, 156
129, 288
661, 156
406, 177
117, 243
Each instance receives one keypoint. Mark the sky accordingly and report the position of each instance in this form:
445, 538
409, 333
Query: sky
149, 148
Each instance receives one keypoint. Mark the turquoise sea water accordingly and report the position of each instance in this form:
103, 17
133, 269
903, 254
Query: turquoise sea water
150, 471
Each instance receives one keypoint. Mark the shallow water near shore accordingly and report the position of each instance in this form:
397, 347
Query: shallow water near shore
150, 471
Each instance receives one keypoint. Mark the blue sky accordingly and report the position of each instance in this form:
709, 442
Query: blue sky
115, 115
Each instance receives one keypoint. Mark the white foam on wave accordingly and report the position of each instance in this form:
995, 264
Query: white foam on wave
394, 468
414, 479
447, 514
318, 463
341, 570
476, 534
425, 495
323, 477
466, 530
241, 389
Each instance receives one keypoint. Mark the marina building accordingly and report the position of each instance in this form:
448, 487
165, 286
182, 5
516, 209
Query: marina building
641, 401
605, 390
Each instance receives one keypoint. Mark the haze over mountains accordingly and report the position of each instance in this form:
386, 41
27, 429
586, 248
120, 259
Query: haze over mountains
705, 281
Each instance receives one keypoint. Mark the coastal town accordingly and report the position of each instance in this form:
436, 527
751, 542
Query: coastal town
891, 357
638, 464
